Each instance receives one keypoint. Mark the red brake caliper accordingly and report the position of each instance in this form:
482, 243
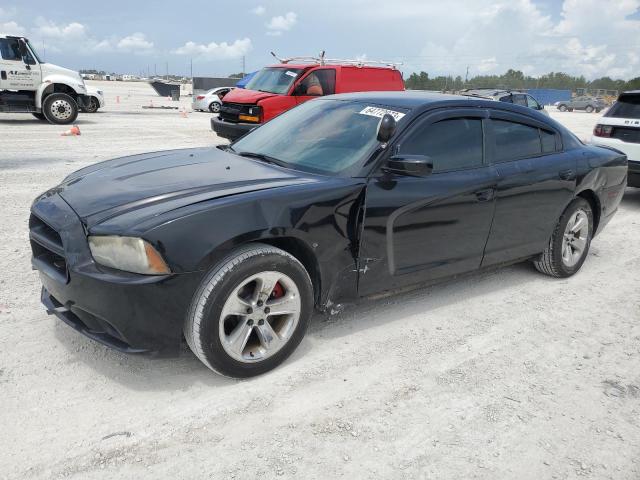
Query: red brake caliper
278, 291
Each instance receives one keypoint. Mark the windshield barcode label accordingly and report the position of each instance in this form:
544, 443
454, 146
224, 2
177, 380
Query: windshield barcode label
380, 112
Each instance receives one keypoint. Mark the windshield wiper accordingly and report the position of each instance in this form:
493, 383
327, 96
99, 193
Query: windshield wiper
262, 157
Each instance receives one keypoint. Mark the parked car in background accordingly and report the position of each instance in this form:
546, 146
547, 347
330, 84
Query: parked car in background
96, 100
584, 102
210, 100
278, 88
342, 197
620, 128
517, 98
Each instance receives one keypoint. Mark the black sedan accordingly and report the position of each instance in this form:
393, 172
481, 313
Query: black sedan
342, 197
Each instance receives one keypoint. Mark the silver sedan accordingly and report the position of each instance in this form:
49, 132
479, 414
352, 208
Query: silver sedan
210, 100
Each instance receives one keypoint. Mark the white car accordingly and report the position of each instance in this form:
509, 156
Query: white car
96, 100
210, 100
620, 128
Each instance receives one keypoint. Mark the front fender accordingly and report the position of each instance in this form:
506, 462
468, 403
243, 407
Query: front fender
49, 82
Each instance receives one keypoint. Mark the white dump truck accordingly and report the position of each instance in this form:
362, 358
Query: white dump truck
29, 85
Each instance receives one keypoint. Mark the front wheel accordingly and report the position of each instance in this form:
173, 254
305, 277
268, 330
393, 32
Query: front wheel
60, 108
93, 105
570, 241
589, 109
250, 312
562, 108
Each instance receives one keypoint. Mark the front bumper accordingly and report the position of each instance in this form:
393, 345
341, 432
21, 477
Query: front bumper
129, 312
230, 130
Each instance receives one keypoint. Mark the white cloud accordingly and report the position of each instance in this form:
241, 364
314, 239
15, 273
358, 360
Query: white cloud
136, 42
281, 23
259, 10
216, 51
69, 32
12, 28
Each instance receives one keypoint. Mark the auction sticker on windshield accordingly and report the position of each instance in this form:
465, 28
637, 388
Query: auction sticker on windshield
380, 112
291, 74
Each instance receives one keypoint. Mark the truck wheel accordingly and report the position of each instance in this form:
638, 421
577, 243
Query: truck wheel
589, 109
39, 116
569, 243
60, 109
250, 312
93, 105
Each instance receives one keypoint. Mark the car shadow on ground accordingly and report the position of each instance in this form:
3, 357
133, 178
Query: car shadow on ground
146, 372
631, 197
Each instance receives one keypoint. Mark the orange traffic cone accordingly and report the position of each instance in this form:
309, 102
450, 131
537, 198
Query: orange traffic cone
72, 132
184, 113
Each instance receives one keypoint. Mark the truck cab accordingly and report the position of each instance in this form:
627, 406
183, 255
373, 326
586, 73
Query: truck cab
29, 85
278, 88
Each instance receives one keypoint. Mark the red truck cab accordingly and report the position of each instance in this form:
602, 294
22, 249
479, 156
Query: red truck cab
277, 88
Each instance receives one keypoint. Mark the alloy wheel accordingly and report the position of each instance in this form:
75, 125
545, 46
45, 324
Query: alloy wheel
259, 316
575, 239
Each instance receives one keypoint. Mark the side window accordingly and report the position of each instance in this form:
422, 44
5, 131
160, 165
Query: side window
451, 144
520, 99
532, 103
506, 99
9, 49
515, 140
548, 141
318, 83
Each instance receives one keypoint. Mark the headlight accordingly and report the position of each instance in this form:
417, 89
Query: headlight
127, 253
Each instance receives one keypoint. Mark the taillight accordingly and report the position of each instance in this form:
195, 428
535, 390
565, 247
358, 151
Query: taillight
200, 97
603, 130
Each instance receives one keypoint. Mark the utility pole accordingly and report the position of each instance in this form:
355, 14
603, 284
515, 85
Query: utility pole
155, 70
466, 77
191, 65
44, 52
167, 65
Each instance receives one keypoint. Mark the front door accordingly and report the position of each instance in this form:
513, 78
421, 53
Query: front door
316, 83
17, 72
421, 228
536, 181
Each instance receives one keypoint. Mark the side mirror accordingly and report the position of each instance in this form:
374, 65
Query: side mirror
411, 165
386, 128
22, 47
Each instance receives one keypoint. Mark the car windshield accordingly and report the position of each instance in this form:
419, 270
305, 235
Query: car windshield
273, 80
627, 106
330, 137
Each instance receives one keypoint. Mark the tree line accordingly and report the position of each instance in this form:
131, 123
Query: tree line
515, 80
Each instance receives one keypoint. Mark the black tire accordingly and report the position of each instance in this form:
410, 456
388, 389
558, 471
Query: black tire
562, 108
93, 106
589, 109
598, 110
214, 107
550, 261
203, 322
39, 116
60, 109
570, 109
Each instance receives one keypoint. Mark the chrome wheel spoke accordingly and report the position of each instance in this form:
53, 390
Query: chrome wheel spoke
238, 338
266, 283
580, 223
237, 306
268, 337
284, 305
579, 244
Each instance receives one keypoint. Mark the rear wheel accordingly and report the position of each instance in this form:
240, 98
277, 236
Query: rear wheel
562, 108
60, 108
570, 241
214, 107
251, 311
589, 109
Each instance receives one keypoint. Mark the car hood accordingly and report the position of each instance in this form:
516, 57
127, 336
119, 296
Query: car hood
107, 189
242, 95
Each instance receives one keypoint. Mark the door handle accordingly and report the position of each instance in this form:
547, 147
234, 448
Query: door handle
566, 174
484, 195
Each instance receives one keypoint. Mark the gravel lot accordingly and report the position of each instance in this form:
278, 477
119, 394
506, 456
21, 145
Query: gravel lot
503, 374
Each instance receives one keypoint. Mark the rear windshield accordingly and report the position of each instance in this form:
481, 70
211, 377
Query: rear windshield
273, 80
627, 106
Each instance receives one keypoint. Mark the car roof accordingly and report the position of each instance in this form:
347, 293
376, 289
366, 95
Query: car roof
304, 66
404, 99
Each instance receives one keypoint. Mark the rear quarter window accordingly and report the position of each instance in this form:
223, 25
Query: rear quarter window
627, 106
515, 140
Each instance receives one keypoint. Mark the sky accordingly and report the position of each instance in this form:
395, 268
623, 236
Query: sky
593, 38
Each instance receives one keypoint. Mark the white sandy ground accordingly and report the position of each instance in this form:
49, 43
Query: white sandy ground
506, 374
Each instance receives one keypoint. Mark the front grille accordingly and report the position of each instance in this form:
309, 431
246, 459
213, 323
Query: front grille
626, 134
47, 249
230, 111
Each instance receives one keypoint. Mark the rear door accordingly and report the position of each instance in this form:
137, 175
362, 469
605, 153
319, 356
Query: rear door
421, 228
536, 180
